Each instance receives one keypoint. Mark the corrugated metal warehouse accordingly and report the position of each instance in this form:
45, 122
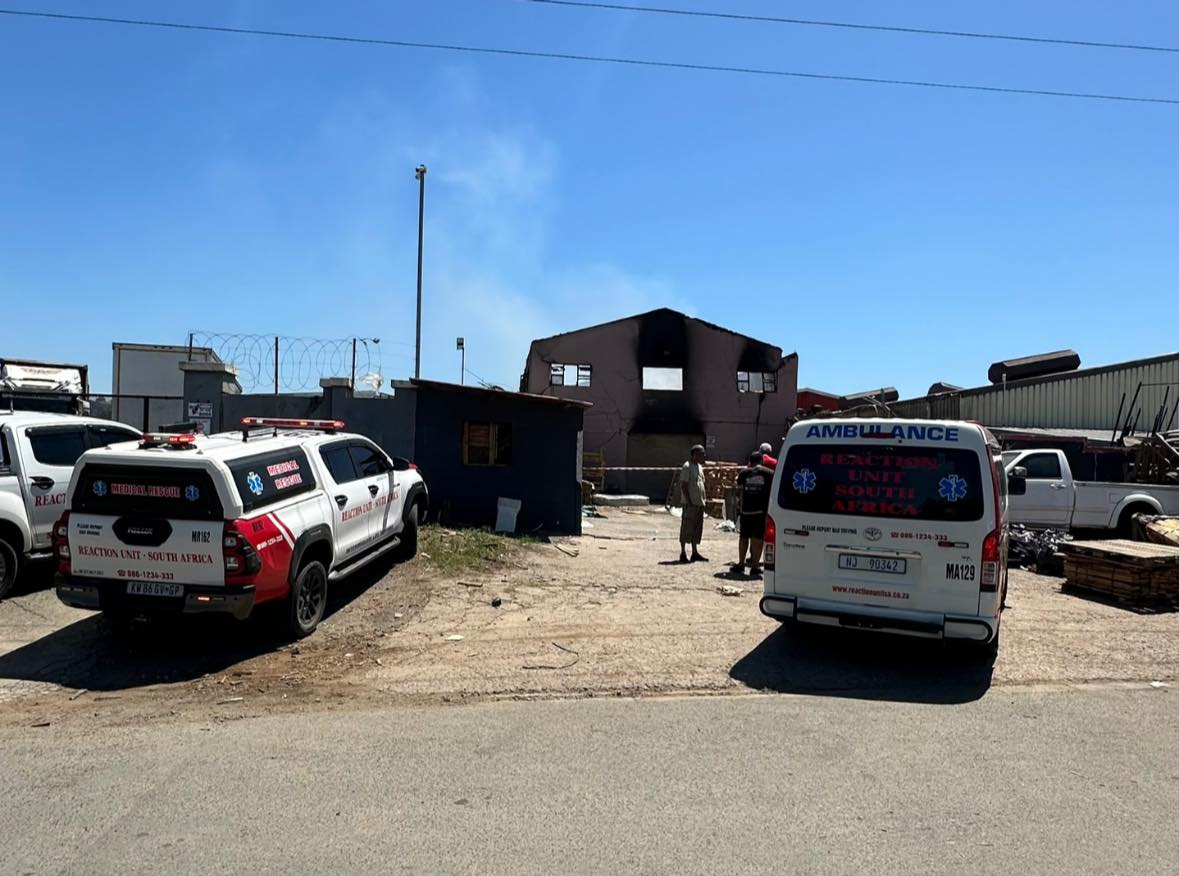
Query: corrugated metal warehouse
1084, 399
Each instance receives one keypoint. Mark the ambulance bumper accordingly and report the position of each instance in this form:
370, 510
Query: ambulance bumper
96, 595
910, 623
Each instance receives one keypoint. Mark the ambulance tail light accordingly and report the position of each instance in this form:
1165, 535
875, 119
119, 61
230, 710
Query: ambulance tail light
992, 560
61, 543
771, 543
988, 581
241, 559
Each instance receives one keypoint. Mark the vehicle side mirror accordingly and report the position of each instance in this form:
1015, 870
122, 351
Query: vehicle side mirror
400, 463
1017, 481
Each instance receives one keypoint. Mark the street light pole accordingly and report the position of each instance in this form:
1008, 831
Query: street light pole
420, 175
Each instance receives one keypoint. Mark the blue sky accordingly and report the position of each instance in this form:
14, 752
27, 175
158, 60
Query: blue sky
155, 182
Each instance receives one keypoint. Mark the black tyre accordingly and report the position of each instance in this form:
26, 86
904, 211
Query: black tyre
308, 600
9, 567
1125, 527
407, 549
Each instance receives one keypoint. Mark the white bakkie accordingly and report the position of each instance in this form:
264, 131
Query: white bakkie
890, 525
224, 523
37, 455
1056, 499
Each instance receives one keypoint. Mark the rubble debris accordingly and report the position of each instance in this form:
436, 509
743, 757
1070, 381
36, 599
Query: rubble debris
455, 637
573, 552
727, 526
576, 657
1036, 549
1160, 530
496, 602
470, 584
229, 700
729, 590
611, 501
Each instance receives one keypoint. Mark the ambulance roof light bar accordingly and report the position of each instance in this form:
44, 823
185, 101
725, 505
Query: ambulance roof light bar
277, 423
176, 440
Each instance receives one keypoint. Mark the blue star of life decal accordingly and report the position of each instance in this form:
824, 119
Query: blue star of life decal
952, 488
804, 480
192, 492
254, 482
98, 488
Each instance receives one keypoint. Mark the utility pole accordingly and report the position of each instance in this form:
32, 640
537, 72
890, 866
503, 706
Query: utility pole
420, 175
462, 347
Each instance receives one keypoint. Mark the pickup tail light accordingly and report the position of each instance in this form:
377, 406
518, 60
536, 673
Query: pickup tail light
241, 558
771, 540
61, 543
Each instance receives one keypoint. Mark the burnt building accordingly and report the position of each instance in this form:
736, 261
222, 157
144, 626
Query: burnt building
661, 382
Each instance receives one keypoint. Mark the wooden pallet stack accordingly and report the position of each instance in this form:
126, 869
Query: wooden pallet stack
1129, 571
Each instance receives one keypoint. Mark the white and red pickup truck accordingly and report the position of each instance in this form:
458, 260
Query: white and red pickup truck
37, 455
189, 523
1056, 500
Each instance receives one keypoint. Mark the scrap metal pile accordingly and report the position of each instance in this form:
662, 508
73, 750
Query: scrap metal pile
1156, 459
1036, 549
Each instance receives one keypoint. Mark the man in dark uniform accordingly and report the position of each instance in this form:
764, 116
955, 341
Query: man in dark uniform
753, 484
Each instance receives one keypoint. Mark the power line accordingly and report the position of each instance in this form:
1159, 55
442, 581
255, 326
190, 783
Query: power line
772, 19
601, 59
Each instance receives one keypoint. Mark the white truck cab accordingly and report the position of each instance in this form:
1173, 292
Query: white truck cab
894, 525
188, 523
37, 456
1055, 499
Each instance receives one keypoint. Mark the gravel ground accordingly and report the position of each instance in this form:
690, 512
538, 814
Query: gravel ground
607, 614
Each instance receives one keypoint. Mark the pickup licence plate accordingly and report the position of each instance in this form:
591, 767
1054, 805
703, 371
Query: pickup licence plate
888, 565
154, 588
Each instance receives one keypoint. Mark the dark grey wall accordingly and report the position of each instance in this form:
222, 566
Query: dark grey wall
388, 421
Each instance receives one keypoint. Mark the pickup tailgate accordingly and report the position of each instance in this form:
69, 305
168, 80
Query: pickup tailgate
146, 524
133, 548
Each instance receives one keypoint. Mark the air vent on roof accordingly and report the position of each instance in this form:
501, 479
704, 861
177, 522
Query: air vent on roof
1034, 366
940, 388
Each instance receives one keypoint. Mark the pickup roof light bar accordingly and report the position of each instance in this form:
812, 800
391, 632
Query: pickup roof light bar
170, 439
277, 423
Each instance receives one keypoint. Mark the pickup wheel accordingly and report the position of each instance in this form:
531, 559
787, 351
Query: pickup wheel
308, 600
9, 567
408, 548
1125, 527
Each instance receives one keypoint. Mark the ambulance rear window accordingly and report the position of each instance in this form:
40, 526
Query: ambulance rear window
890, 481
173, 493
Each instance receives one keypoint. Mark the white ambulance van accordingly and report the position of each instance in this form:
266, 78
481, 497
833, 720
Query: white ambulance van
890, 525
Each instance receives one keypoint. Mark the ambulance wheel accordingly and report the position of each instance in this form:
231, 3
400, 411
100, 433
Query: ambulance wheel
9, 567
308, 600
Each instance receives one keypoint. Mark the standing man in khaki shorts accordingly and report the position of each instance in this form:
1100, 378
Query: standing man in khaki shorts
693, 495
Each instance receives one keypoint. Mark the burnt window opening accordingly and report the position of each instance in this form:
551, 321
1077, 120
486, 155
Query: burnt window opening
487, 443
663, 379
570, 375
757, 381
